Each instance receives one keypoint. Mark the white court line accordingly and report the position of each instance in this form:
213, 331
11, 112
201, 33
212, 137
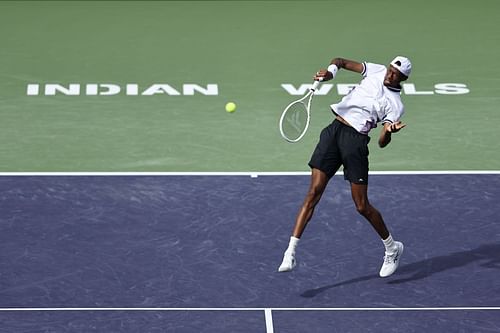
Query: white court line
444, 308
269, 321
267, 311
252, 174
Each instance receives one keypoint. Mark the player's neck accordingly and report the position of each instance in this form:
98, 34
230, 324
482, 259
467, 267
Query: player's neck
393, 87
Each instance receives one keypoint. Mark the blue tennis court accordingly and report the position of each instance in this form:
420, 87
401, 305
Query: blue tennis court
199, 253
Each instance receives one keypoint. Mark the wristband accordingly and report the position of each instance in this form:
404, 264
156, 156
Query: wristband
333, 69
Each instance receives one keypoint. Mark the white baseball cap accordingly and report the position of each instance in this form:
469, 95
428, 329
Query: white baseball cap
402, 64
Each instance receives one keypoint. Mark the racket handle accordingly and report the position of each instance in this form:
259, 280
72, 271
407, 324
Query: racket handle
315, 85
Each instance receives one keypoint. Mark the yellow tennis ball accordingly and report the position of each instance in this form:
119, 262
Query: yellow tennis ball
230, 107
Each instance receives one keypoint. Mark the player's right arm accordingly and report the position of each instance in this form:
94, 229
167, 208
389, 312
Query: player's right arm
350, 65
335, 65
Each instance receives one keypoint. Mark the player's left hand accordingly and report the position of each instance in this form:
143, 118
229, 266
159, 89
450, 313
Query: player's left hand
395, 127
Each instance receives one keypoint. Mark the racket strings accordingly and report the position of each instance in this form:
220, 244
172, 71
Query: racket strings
295, 121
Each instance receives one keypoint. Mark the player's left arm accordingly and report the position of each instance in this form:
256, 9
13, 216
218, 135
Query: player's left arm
386, 132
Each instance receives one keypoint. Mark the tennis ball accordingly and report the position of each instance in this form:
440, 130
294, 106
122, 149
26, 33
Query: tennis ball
230, 107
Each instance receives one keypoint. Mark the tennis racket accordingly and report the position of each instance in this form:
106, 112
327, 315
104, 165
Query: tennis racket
295, 118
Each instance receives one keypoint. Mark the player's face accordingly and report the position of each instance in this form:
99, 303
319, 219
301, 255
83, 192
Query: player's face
393, 77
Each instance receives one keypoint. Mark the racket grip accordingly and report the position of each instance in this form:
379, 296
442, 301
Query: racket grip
315, 85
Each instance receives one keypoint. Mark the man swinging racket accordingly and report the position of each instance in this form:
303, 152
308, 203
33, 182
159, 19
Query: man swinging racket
345, 142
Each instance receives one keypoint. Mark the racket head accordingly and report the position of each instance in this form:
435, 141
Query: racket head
295, 119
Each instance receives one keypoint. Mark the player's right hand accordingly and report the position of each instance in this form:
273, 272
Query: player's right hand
322, 75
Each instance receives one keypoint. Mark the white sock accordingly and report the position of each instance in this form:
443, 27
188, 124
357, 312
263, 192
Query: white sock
293, 244
390, 246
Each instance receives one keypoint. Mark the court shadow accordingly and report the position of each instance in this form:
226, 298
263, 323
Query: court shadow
488, 255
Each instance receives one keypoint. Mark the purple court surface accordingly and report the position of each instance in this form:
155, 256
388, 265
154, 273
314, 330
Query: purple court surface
143, 253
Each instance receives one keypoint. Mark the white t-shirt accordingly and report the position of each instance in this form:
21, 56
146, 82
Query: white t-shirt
370, 102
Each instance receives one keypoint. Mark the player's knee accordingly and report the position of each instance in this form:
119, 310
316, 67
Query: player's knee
314, 194
363, 208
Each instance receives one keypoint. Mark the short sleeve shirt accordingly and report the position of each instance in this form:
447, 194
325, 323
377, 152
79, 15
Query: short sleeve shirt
371, 102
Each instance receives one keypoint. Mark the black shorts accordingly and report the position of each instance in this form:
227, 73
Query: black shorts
338, 145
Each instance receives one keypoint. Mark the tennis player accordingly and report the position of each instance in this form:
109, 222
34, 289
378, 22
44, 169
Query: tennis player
345, 143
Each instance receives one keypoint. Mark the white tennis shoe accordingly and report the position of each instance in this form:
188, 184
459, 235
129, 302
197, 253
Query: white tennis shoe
288, 263
391, 261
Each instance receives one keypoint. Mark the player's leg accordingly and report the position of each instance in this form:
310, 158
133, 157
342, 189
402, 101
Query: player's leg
319, 180
359, 194
393, 249
324, 163
354, 150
